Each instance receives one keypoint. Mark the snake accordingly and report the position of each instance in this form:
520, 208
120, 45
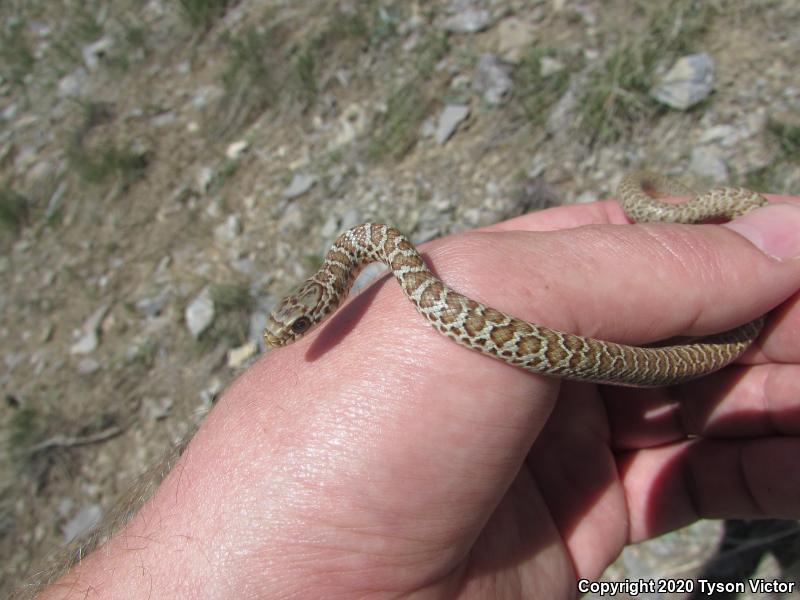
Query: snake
526, 345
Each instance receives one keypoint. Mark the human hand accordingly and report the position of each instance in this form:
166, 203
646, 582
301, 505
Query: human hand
377, 457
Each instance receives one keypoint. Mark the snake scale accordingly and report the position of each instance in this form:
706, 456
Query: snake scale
526, 345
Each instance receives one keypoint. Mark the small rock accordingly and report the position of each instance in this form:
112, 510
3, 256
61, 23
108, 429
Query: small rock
689, 81
155, 410
492, 78
258, 320
204, 179
236, 149
89, 340
13, 359
330, 227
352, 123
238, 357
86, 344
515, 37
87, 366
428, 128
449, 120
65, 506
88, 518
350, 219
301, 183
549, 66
153, 306
200, 313
292, 219
716, 133
164, 119
93, 53
707, 163
209, 395
72, 85
10, 111
229, 230
468, 20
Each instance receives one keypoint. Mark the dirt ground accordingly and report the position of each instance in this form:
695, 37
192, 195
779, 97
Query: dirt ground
159, 158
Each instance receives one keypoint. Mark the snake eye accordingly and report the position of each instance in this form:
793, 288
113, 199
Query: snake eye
301, 325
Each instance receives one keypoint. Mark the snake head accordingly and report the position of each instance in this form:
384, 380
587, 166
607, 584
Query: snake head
295, 315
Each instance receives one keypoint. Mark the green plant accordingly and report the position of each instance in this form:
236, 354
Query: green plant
252, 78
16, 58
25, 428
232, 304
14, 210
788, 136
395, 131
535, 92
80, 29
201, 14
616, 94
99, 164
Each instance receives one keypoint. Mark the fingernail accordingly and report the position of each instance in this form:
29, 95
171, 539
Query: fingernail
773, 229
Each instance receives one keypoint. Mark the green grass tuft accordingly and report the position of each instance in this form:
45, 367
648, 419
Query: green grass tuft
535, 93
616, 95
201, 14
14, 210
395, 131
16, 58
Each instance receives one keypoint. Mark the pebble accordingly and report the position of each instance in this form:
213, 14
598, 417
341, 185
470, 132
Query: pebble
73, 84
707, 163
87, 366
93, 53
689, 81
204, 178
154, 305
292, 219
492, 79
235, 150
200, 313
238, 357
227, 231
88, 518
89, 339
468, 20
155, 410
300, 184
350, 219
449, 120
164, 119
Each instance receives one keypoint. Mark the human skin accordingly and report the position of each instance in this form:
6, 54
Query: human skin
376, 458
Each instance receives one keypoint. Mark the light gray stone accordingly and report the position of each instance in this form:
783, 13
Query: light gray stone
450, 118
468, 20
87, 366
73, 85
227, 231
200, 313
689, 81
87, 518
300, 184
235, 150
492, 79
93, 53
89, 339
707, 163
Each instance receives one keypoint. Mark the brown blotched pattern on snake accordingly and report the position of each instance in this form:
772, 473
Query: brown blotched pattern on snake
527, 345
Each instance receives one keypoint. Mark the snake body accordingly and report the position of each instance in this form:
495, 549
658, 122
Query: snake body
526, 345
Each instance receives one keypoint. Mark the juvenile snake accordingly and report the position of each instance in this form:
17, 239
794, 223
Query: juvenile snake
527, 345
